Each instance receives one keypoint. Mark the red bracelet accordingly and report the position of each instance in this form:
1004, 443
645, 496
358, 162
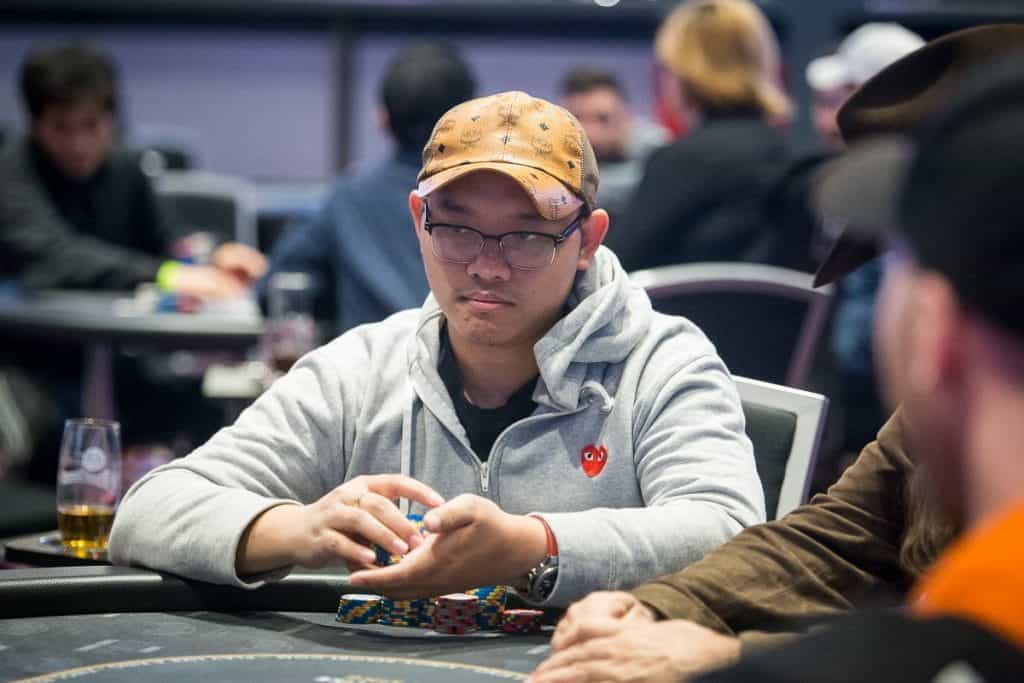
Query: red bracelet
551, 542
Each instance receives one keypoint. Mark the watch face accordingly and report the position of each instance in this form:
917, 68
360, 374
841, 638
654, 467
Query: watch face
547, 580
542, 583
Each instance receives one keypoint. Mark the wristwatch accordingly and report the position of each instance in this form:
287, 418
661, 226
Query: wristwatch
541, 580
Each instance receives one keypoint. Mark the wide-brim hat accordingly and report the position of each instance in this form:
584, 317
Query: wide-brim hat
901, 97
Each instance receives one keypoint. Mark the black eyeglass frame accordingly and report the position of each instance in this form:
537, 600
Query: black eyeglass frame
558, 239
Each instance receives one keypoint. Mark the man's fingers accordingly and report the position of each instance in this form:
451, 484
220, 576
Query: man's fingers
455, 514
582, 630
391, 517
353, 521
602, 604
572, 658
356, 566
393, 486
338, 545
561, 675
388, 581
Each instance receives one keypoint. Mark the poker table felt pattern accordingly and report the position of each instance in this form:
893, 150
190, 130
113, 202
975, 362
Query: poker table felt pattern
179, 640
246, 646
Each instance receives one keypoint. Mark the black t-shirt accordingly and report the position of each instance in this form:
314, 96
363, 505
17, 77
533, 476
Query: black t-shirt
482, 425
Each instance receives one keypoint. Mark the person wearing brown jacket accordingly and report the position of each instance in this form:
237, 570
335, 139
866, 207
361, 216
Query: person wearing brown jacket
873, 533
863, 542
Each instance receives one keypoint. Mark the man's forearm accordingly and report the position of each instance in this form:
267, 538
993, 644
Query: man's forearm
268, 542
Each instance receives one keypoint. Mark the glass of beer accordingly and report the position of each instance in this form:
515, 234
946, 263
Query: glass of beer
88, 483
291, 329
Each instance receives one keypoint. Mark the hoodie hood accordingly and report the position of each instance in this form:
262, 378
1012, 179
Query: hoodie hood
606, 317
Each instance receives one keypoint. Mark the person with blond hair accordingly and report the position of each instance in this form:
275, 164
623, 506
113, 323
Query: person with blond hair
702, 198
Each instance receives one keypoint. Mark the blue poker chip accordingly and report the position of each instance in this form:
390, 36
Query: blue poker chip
384, 557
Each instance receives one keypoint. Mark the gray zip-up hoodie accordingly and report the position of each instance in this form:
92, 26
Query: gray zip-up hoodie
645, 392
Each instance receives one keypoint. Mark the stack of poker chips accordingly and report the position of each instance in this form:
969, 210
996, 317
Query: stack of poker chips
521, 620
357, 608
426, 614
491, 603
456, 614
401, 612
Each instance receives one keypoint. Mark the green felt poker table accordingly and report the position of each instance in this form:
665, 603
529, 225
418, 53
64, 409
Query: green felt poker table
107, 623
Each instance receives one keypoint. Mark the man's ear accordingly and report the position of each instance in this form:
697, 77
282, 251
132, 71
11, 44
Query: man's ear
938, 336
592, 233
415, 209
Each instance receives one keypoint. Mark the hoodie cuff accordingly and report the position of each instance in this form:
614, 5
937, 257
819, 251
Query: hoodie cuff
246, 515
579, 570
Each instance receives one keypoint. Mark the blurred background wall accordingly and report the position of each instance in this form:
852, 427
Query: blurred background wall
286, 90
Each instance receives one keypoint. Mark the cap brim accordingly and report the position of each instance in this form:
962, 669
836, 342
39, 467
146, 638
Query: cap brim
549, 195
861, 189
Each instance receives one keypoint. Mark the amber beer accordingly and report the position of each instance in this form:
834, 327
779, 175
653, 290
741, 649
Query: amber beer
85, 527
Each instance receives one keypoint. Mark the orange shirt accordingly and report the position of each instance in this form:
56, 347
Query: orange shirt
981, 578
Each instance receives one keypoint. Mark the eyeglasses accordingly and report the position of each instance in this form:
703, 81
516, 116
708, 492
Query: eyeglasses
521, 249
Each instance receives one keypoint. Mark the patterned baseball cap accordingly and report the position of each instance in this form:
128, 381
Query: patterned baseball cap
539, 145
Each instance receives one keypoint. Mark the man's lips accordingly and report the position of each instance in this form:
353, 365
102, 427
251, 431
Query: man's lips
486, 297
485, 301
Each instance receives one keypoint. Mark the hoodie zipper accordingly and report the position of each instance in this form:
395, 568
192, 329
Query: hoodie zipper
485, 466
485, 482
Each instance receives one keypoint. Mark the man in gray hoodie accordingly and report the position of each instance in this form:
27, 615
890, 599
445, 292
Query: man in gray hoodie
563, 436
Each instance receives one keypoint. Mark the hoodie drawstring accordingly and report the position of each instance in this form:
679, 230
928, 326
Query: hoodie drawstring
404, 504
593, 389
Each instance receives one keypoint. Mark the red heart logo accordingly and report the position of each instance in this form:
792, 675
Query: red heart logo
593, 458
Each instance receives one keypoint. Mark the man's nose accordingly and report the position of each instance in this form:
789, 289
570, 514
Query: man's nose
490, 263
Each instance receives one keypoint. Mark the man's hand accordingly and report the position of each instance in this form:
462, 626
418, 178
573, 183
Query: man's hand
244, 263
338, 527
603, 610
205, 283
659, 652
471, 542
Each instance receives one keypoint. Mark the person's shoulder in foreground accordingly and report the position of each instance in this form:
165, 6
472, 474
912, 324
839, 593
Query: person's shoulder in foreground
608, 422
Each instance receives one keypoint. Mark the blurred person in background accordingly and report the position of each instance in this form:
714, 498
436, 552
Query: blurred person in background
76, 211
622, 141
702, 197
861, 55
364, 260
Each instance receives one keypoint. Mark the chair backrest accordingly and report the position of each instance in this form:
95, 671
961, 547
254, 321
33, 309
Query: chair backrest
785, 425
201, 201
765, 321
179, 148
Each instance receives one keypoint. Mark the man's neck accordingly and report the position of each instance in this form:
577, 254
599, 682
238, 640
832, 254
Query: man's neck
491, 374
995, 469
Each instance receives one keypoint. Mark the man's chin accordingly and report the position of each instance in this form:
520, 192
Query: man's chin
482, 332
80, 171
